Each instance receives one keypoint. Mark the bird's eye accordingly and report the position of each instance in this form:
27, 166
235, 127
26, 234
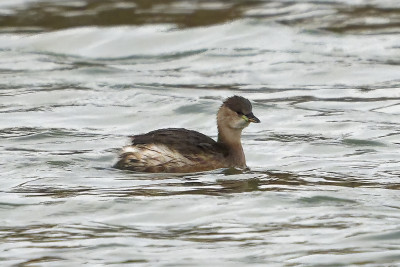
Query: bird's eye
239, 113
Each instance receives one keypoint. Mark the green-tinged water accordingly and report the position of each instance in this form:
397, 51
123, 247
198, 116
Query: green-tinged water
77, 78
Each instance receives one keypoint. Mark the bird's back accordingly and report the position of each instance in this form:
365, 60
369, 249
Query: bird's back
172, 150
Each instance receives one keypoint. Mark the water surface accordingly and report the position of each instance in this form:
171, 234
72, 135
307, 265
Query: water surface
77, 78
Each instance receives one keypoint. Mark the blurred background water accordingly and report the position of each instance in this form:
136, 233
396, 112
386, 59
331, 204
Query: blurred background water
78, 77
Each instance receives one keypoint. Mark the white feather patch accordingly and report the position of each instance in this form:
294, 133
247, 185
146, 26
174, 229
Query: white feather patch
156, 154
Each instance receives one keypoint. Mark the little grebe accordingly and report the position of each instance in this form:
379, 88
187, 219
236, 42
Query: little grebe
179, 150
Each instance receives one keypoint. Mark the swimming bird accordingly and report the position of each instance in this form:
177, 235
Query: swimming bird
178, 150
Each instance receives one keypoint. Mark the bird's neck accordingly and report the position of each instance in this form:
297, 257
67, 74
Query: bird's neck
230, 138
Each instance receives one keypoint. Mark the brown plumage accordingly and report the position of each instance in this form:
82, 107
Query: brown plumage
179, 150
